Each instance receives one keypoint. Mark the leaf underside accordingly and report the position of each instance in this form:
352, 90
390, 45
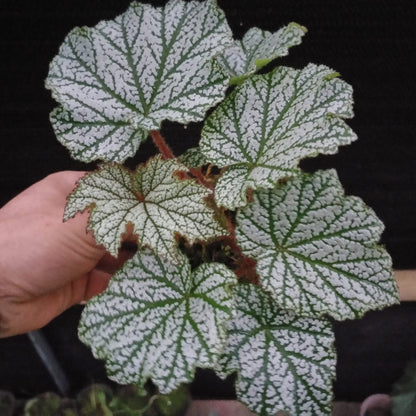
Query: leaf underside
269, 123
316, 249
159, 320
283, 362
257, 48
153, 200
123, 77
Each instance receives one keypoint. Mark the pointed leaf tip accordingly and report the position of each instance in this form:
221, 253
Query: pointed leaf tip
257, 49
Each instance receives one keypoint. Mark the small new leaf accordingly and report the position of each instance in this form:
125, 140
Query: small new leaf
159, 320
153, 200
283, 362
257, 49
316, 249
123, 77
269, 123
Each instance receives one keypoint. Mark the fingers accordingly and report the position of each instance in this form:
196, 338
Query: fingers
97, 283
111, 264
406, 281
19, 317
81, 290
49, 193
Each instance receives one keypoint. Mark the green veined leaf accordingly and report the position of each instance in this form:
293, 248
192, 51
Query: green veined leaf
258, 48
316, 249
97, 138
269, 123
159, 320
124, 77
152, 199
283, 362
193, 158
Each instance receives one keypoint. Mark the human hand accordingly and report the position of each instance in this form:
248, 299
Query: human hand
46, 265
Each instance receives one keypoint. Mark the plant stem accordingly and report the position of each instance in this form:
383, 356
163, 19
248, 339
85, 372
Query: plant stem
246, 265
167, 153
201, 178
161, 144
140, 197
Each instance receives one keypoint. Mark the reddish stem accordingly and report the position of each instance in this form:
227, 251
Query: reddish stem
247, 265
201, 178
140, 197
167, 153
250, 195
161, 144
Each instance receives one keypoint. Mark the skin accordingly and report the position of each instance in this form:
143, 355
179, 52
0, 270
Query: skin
406, 282
46, 265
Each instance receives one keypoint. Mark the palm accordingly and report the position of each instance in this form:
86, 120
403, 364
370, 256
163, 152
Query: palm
45, 265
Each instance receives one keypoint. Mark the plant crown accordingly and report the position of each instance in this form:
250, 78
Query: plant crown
242, 258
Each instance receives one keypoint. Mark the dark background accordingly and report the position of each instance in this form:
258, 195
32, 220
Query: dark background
370, 43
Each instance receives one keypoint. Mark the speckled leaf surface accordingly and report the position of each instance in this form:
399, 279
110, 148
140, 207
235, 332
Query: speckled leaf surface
159, 320
316, 249
257, 48
193, 158
124, 77
269, 123
98, 137
153, 199
283, 362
